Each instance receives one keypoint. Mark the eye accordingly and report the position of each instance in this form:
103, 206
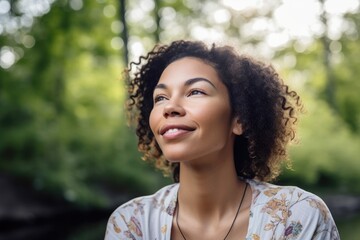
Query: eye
196, 92
159, 98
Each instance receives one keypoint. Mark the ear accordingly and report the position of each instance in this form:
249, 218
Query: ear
237, 126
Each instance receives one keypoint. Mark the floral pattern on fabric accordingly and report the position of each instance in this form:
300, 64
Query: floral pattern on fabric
292, 231
276, 213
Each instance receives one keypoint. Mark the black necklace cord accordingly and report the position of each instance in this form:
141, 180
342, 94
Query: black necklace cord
232, 224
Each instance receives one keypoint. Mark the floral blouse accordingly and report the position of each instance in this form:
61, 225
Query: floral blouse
276, 213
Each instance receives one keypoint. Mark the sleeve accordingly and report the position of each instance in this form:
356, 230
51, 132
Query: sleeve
122, 224
310, 219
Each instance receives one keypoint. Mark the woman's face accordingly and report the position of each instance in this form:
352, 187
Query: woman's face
191, 117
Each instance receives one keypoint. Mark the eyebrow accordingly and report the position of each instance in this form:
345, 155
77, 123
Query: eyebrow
187, 83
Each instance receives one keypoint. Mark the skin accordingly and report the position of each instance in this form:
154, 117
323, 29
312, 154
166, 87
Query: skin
193, 125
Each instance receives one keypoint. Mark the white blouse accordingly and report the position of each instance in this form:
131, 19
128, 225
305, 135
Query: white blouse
276, 213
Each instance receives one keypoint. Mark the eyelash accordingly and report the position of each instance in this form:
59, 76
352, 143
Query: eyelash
192, 92
197, 92
158, 98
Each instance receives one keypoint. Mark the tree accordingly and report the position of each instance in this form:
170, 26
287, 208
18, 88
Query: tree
60, 110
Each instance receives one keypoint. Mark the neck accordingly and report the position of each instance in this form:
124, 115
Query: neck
209, 193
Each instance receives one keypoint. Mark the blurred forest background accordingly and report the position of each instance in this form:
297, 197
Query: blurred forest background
63, 130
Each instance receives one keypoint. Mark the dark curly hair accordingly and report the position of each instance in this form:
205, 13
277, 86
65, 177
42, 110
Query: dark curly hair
264, 104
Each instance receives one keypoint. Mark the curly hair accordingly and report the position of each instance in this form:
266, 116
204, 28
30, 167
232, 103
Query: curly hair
266, 107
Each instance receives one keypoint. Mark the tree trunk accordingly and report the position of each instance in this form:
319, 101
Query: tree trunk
157, 21
330, 87
124, 34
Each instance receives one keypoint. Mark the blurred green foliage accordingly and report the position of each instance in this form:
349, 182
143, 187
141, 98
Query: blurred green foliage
348, 228
326, 155
62, 123
61, 111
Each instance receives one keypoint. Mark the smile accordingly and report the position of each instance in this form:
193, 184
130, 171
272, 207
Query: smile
172, 132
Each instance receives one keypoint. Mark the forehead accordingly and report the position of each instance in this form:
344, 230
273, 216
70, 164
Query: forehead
188, 67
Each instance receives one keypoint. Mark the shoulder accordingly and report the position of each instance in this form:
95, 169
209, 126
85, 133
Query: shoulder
292, 211
136, 217
264, 192
160, 199
285, 196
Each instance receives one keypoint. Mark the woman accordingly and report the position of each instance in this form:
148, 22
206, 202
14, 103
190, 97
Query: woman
220, 123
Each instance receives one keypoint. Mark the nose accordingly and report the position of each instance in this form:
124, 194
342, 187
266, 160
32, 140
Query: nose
173, 109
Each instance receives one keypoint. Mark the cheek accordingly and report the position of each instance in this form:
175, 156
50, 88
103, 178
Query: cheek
153, 120
217, 112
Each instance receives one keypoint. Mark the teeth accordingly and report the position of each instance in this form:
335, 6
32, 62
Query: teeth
172, 130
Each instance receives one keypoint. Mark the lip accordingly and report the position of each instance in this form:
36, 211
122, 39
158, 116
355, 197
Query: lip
182, 128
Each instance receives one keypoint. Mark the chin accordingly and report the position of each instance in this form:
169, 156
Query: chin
174, 159
176, 153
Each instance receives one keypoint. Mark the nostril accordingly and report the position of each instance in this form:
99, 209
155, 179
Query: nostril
173, 110
171, 114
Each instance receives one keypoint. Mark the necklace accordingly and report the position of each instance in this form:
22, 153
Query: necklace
232, 224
